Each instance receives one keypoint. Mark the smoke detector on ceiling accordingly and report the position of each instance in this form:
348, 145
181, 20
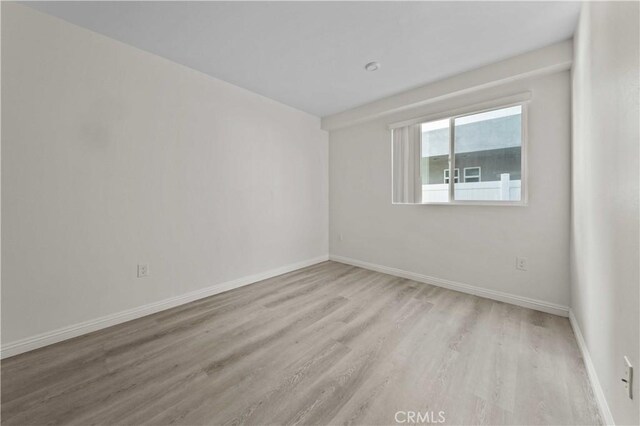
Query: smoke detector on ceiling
372, 66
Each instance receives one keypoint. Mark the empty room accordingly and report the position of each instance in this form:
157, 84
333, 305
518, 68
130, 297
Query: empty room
320, 213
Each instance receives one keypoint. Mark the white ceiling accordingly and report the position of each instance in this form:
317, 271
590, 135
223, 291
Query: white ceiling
311, 55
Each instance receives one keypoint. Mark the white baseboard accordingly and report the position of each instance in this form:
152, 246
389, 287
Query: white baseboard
605, 412
64, 333
513, 299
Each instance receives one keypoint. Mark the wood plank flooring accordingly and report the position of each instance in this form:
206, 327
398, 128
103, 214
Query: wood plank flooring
328, 344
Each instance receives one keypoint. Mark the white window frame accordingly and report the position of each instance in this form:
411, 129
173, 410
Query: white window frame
519, 99
479, 175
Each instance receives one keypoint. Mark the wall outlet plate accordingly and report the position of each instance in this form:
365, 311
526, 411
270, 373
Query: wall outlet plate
628, 377
143, 270
521, 263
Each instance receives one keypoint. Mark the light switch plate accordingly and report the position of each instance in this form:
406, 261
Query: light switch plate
628, 377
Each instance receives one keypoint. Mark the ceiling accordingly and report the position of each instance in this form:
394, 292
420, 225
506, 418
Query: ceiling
311, 55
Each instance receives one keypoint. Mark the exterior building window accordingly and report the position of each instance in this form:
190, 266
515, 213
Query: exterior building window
472, 174
456, 176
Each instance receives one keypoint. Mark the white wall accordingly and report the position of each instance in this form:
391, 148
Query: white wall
112, 156
605, 250
473, 245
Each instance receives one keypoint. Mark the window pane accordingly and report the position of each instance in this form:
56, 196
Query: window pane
434, 164
488, 147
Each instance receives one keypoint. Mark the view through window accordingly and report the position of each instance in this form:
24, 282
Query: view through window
487, 148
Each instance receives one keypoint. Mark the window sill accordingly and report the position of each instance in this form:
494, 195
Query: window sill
470, 203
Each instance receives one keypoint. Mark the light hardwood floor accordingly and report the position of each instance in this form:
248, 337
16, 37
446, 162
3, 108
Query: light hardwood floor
328, 344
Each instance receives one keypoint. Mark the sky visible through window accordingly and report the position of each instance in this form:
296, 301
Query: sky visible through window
443, 124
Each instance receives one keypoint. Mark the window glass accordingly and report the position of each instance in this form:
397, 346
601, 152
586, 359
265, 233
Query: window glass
488, 147
435, 161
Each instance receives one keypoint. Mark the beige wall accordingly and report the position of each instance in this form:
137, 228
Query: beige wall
112, 156
605, 251
472, 245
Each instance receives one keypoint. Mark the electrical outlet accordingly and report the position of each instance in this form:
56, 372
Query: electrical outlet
339, 237
143, 270
628, 377
521, 263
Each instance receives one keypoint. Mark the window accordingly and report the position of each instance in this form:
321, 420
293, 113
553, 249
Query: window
456, 176
472, 174
491, 141
487, 146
